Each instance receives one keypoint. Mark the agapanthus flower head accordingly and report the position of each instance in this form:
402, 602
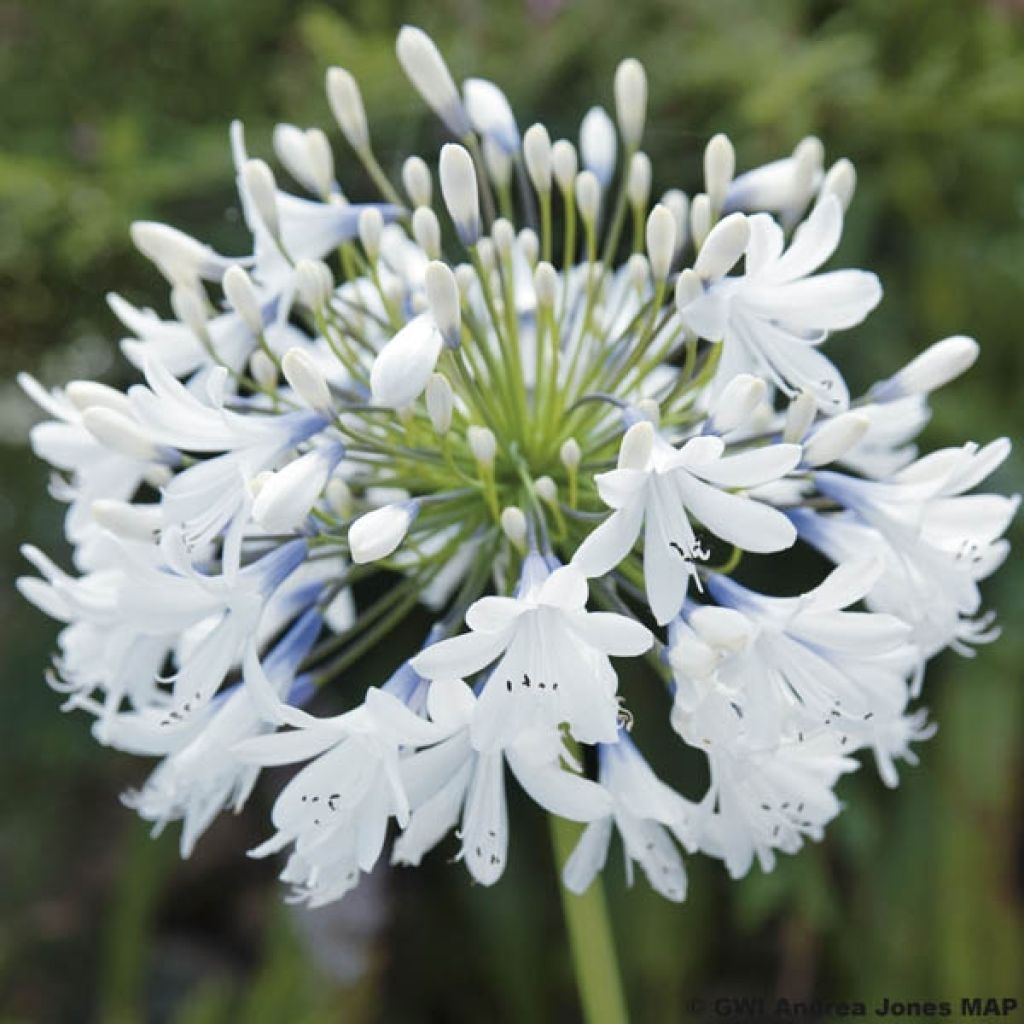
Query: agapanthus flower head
560, 434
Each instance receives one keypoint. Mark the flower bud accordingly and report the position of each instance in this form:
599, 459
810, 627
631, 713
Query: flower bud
497, 162
700, 218
545, 284
588, 196
679, 203
263, 370
483, 444
722, 628
723, 247
306, 156
547, 490
377, 534
835, 438
570, 454
417, 181
371, 226
490, 113
315, 283
179, 257
638, 270
638, 180
936, 366
529, 245
259, 182
737, 402
440, 402
598, 145
306, 380
631, 100
799, 416
286, 498
427, 231
404, 365
537, 154
458, 187
443, 299
688, 287
504, 237
132, 522
422, 62
637, 445
719, 168
564, 163
661, 241
513, 525
238, 288
339, 498
346, 104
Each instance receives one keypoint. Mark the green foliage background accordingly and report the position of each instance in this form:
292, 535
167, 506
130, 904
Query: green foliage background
115, 110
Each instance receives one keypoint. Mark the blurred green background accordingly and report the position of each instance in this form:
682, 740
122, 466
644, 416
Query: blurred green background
114, 110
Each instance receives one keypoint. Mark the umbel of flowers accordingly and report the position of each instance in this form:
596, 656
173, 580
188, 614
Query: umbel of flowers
555, 411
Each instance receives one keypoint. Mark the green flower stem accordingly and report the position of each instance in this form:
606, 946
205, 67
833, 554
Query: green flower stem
590, 938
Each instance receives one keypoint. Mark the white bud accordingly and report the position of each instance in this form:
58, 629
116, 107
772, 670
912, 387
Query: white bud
497, 162
241, 293
637, 445
835, 438
321, 161
570, 453
723, 247
440, 402
422, 62
157, 475
259, 182
403, 366
458, 187
598, 145
529, 245
638, 269
285, 499
799, 416
719, 168
87, 394
371, 227
840, 181
263, 370
189, 307
690, 657
661, 241
545, 284
513, 524
306, 380
638, 180
485, 252
346, 104
490, 113
547, 490
377, 534
537, 154
427, 231
443, 299
465, 278
688, 287
503, 236
722, 628
417, 181
564, 163
483, 444
737, 402
315, 282
631, 100
179, 257
679, 203
588, 196
339, 498
132, 522
936, 366
700, 218
648, 409
306, 156
116, 431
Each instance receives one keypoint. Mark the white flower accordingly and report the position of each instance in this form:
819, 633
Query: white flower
543, 637
771, 319
656, 485
405, 364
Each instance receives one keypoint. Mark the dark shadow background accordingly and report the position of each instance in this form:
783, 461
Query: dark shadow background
114, 110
